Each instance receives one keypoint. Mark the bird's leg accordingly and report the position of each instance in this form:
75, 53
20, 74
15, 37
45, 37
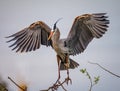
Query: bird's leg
57, 83
59, 63
68, 78
67, 64
67, 67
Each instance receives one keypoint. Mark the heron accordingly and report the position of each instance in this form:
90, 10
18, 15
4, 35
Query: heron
85, 28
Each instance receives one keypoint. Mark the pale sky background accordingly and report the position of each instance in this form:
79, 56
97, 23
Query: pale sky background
39, 69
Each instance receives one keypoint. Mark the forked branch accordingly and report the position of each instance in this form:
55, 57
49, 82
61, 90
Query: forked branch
59, 84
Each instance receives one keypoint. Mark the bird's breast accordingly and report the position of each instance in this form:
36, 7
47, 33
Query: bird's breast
56, 48
59, 48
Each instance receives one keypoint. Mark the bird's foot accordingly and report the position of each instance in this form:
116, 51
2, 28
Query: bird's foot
55, 85
68, 79
58, 84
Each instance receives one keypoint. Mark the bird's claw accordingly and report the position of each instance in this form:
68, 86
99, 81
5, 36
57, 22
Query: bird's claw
68, 79
54, 87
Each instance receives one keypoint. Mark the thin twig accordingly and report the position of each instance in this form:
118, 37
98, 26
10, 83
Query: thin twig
104, 69
16, 84
90, 78
62, 86
58, 85
91, 84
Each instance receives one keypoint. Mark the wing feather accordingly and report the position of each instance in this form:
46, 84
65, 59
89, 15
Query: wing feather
84, 29
18, 42
30, 38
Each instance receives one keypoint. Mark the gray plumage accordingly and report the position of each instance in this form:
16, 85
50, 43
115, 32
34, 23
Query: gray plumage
84, 29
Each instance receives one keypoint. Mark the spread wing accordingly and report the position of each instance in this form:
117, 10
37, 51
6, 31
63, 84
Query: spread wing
30, 38
84, 29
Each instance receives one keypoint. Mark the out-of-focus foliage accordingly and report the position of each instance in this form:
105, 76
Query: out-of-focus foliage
3, 85
23, 86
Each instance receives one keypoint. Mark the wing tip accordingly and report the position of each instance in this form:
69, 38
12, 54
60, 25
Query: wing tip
99, 14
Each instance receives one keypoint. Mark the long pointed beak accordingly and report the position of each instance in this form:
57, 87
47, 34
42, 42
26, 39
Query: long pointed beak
51, 33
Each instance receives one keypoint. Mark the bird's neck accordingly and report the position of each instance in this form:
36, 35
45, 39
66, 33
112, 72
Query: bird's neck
55, 42
56, 37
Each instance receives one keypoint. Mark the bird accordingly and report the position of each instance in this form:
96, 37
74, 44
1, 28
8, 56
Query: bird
85, 28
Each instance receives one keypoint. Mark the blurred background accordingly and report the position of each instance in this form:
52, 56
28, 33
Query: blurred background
39, 69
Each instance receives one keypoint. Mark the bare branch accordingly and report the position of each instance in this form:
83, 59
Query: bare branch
104, 69
91, 84
59, 84
62, 86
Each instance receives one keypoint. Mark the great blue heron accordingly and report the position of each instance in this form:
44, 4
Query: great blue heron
84, 29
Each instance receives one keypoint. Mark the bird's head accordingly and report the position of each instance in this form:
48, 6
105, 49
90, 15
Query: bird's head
54, 30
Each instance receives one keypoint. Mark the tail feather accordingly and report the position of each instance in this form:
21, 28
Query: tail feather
72, 65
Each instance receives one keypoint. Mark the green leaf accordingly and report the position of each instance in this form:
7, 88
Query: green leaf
96, 79
83, 70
